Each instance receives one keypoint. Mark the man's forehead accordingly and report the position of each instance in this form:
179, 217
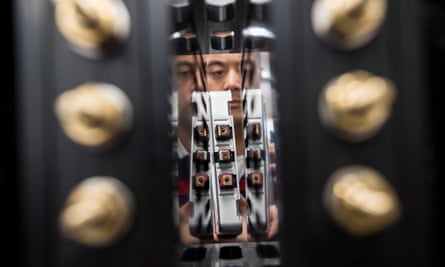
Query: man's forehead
229, 57
234, 57
185, 58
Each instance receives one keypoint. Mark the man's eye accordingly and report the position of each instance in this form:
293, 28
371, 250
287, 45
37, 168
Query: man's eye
183, 73
216, 73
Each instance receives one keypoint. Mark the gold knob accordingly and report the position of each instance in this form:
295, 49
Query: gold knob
360, 200
97, 212
355, 105
347, 24
92, 26
94, 114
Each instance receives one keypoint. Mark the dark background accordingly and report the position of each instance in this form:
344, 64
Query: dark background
432, 41
9, 183
435, 46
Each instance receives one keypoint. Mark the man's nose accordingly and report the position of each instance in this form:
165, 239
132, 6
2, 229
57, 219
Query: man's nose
199, 81
233, 80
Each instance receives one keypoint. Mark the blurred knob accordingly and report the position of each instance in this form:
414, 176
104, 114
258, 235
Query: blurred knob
258, 38
355, 105
360, 200
259, 10
184, 42
222, 40
93, 27
347, 24
181, 11
94, 114
220, 10
258, 34
97, 212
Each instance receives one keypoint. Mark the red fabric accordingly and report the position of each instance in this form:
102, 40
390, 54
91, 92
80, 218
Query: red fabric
242, 185
183, 187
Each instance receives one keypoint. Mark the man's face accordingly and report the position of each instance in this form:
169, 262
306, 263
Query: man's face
214, 72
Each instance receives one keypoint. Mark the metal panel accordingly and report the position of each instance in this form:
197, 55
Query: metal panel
310, 154
51, 164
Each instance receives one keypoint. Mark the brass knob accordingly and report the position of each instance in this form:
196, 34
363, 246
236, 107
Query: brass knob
360, 200
347, 24
97, 212
94, 114
355, 105
92, 26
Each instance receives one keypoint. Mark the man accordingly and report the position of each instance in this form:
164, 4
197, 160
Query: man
213, 72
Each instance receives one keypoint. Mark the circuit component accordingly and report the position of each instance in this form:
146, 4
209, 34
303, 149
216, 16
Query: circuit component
257, 162
214, 167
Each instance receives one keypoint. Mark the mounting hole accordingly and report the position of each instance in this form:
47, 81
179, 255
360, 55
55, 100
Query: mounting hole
267, 251
194, 254
230, 252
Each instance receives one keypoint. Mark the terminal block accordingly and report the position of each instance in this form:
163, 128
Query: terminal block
214, 187
227, 194
257, 162
201, 169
